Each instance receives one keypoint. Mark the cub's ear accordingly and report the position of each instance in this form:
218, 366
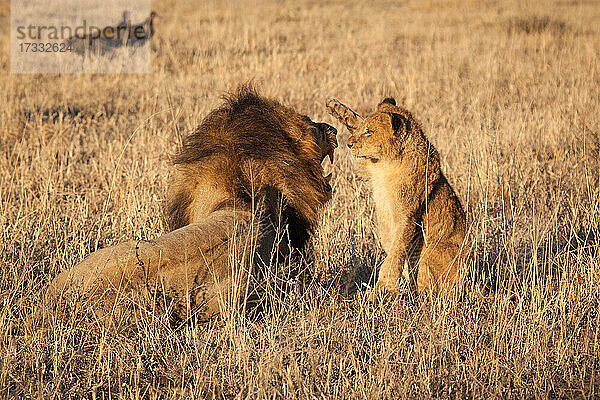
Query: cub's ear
399, 124
388, 104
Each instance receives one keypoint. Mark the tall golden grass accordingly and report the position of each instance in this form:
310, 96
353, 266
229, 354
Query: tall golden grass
508, 92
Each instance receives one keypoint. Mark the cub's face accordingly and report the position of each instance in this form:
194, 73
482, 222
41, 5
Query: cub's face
378, 136
374, 137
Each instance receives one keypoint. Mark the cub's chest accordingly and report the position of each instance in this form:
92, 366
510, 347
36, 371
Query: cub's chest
383, 200
384, 181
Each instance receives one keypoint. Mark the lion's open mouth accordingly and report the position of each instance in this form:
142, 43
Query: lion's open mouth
331, 137
327, 182
330, 155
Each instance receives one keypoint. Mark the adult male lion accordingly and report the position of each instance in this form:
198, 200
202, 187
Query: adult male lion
247, 189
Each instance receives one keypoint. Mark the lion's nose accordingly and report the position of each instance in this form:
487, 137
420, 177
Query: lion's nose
349, 145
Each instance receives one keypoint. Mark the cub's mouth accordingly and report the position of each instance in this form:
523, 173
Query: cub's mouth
366, 157
355, 150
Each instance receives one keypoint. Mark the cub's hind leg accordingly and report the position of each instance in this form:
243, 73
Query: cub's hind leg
439, 269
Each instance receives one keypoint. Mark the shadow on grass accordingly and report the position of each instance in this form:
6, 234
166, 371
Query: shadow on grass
534, 24
502, 269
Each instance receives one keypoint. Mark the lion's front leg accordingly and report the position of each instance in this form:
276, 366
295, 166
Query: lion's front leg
104, 279
111, 268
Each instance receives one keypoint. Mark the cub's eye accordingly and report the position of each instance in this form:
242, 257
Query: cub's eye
367, 132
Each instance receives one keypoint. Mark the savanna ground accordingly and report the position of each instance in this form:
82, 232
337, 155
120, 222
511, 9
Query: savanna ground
508, 92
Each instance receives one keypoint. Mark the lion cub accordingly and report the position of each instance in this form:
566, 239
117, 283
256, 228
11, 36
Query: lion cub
421, 222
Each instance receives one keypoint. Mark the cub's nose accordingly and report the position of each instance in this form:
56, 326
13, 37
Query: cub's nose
349, 145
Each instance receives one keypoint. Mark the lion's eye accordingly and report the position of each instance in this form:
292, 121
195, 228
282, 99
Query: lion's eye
367, 132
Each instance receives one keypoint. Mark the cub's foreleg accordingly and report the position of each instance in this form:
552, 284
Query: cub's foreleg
398, 249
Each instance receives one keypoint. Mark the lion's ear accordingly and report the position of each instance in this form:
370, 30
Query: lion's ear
387, 105
399, 123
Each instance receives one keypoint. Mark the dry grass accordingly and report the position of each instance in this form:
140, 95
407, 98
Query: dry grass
535, 24
513, 112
